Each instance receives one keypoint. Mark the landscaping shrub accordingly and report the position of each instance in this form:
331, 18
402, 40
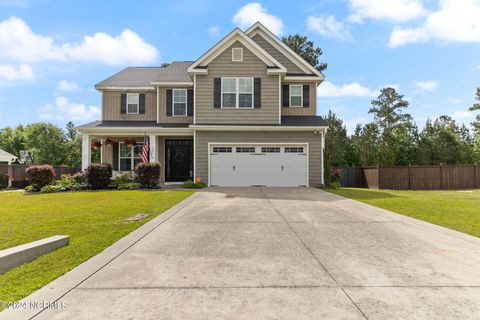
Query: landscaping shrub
79, 178
3, 181
335, 185
193, 185
129, 186
40, 176
69, 183
120, 180
51, 188
148, 174
98, 175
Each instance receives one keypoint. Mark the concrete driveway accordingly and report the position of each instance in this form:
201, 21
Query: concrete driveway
275, 253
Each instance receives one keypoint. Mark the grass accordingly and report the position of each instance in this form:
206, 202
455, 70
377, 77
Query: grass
457, 210
93, 220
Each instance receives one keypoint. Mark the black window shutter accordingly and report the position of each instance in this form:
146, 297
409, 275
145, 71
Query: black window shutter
285, 96
217, 92
169, 102
190, 102
115, 156
141, 105
257, 93
123, 103
306, 95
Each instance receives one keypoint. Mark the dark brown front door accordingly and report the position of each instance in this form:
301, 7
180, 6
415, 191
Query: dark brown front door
178, 160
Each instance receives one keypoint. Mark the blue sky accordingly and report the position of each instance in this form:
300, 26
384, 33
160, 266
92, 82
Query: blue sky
53, 52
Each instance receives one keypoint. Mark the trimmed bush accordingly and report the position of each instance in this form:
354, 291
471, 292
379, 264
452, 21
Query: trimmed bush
148, 174
3, 181
193, 185
40, 176
98, 175
120, 180
129, 186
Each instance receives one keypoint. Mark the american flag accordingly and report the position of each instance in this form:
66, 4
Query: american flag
146, 149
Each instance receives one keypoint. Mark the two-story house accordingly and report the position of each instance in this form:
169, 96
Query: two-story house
243, 114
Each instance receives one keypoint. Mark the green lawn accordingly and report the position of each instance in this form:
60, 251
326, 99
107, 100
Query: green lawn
457, 210
93, 220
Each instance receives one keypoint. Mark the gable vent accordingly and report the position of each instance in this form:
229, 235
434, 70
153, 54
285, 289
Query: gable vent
237, 54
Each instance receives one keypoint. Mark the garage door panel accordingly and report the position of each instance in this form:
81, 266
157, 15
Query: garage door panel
248, 169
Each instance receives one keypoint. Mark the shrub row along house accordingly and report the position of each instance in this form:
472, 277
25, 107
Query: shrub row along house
242, 114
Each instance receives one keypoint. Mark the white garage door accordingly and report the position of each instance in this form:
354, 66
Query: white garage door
258, 165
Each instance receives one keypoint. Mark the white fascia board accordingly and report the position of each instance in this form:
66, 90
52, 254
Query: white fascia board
282, 47
227, 41
128, 131
172, 84
300, 78
100, 88
256, 128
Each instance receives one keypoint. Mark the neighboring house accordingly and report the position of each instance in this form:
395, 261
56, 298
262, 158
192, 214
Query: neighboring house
6, 157
242, 114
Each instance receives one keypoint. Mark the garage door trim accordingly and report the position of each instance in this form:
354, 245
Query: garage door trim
304, 144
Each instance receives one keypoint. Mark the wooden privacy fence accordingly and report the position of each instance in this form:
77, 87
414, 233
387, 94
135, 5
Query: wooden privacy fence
412, 177
16, 173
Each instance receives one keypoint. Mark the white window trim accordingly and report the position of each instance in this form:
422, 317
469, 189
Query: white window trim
173, 103
241, 55
237, 93
132, 156
290, 95
138, 103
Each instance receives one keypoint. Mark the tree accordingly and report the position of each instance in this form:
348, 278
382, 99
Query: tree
305, 49
476, 128
73, 146
47, 143
336, 145
443, 141
392, 122
365, 144
13, 140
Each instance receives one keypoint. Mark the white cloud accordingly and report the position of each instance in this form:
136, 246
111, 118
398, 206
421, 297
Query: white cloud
214, 31
253, 12
328, 27
354, 89
68, 86
462, 114
64, 110
455, 21
19, 43
426, 85
396, 11
23, 72
478, 67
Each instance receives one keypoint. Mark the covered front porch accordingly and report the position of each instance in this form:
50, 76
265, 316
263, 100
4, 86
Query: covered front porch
124, 153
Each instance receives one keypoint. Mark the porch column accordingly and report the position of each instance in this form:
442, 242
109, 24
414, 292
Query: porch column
153, 148
322, 149
86, 152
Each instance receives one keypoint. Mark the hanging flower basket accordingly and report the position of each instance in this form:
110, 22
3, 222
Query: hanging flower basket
130, 142
108, 142
96, 144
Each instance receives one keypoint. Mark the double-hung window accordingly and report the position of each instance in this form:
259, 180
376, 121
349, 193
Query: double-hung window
179, 102
129, 157
237, 93
132, 103
296, 95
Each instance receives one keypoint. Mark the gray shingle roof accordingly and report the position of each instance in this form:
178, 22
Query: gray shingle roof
143, 76
307, 121
6, 157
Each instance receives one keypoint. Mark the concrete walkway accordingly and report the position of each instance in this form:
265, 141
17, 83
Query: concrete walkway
274, 253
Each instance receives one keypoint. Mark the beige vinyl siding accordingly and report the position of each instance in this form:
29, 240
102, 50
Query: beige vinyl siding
286, 62
313, 140
111, 106
222, 66
310, 111
163, 109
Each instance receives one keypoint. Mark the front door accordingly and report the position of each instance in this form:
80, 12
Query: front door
178, 160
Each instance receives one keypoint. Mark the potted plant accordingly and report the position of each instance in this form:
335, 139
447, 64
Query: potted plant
96, 144
130, 142
108, 142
